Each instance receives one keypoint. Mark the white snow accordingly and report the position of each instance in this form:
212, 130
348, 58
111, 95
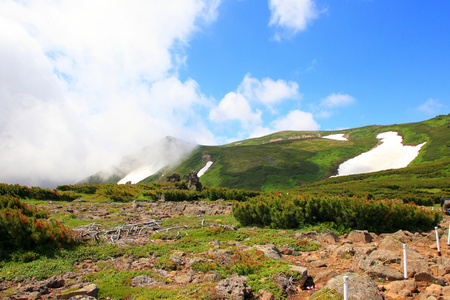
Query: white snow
337, 137
391, 154
141, 173
205, 168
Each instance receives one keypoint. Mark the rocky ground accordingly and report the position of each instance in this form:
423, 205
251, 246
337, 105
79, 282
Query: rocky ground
372, 262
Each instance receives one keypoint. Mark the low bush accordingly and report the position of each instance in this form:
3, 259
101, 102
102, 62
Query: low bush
23, 228
279, 210
37, 193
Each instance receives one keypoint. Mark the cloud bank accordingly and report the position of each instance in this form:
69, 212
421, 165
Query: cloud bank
83, 83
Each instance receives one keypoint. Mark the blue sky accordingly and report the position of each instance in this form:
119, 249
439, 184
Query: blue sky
391, 57
84, 83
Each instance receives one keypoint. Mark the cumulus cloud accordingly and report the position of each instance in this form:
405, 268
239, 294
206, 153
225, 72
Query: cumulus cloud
251, 98
83, 83
431, 106
268, 91
292, 15
234, 106
337, 100
296, 120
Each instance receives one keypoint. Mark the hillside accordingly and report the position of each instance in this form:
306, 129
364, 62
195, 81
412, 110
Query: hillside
283, 160
292, 159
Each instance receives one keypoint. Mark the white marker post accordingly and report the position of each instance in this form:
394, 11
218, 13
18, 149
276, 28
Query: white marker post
448, 238
405, 263
437, 241
345, 287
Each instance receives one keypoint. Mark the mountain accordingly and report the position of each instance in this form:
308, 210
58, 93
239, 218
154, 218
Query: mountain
293, 159
164, 153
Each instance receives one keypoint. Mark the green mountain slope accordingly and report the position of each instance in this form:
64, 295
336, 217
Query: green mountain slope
291, 159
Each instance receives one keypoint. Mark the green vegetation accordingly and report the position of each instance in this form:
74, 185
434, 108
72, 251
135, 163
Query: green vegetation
422, 184
216, 242
290, 159
280, 210
25, 229
35, 243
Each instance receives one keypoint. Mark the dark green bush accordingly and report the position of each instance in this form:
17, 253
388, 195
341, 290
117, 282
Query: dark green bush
279, 210
35, 193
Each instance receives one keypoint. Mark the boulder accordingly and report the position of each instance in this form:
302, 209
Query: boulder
82, 297
360, 236
328, 236
265, 295
325, 276
270, 251
344, 251
397, 287
418, 266
360, 287
183, 279
233, 288
299, 274
391, 244
143, 280
88, 290
286, 249
424, 276
385, 273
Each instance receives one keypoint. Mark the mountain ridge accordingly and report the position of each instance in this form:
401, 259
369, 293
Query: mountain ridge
290, 159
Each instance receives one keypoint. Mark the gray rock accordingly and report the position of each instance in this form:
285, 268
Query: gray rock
311, 235
403, 236
178, 257
325, 276
423, 276
391, 244
183, 279
233, 288
328, 236
143, 280
418, 266
270, 251
318, 263
384, 255
286, 249
360, 236
360, 287
385, 273
82, 297
54, 282
344, 251
89, 290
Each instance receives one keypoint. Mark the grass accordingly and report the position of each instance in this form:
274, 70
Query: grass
289, 159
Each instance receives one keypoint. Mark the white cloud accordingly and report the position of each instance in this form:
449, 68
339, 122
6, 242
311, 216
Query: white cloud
234, 106
292, 15
337, 100
84, 82
260, 131
431, 106
296, 120
268, 91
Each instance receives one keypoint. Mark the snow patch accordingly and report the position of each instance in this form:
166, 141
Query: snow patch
391, 154
337, 137
205, 168
141, 173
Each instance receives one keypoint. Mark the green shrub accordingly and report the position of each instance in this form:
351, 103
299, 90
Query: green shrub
279, 210
35, 193
25, 228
